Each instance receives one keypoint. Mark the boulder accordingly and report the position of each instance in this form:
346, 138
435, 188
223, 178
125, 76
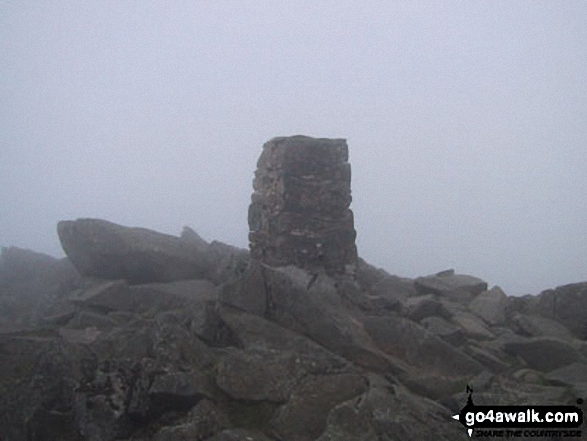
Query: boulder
259, 375
189, 235
106, 250
574, 375
490, 306
308, 304
203, 420
421, 307
303, 417
458, 288
419, 348
393, 288
448, 332
33, 287
179, 390
566, 304
472, 326
389, 412
119, 296
543, 353
538, 326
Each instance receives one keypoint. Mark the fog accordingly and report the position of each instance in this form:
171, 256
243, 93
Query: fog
466, 123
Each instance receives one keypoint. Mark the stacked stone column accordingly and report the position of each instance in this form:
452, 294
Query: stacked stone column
299, 213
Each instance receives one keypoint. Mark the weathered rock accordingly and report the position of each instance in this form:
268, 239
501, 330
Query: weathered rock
239, 435
32, 286
257, 334
490, 306
574, 375
259, 375
303, 418
410, 342
179, 390
119, 296
310, 305
456, 287
393, 288
543, 353
299, 214
472, 326
538, 326
189, 235
566, 304
421, 307
105, 250
203, 421
448, 332
387, 412
227, 263
486, 358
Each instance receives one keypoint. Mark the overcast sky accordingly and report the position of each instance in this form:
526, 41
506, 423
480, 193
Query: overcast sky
466, 122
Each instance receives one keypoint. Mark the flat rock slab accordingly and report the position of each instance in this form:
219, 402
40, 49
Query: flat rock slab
102, 249
459, 288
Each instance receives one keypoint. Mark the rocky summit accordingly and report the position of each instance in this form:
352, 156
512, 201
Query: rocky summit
138, 335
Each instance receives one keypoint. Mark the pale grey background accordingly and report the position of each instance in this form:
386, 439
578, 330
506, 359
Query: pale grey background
466, 121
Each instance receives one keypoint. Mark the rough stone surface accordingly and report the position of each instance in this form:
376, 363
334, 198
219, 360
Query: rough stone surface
460, 288
490, 306
544, 354
566, 304
253, 352
105, 250
299, 213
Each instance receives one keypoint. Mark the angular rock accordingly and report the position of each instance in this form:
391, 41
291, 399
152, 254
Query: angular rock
179, 390
393, 288
33, 286
106, 250
303, 418
258, 335
472, 326
574, 375
421, 307
299, 214
189, 235
387, 412
203, 421
227, 263
494, 363
490, 306
118, 296
410, 342
456, 287
451, 334
543, 353
310, 305
259, 375
538, 326
566, 304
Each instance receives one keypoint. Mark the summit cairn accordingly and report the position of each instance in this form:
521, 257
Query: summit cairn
299, 213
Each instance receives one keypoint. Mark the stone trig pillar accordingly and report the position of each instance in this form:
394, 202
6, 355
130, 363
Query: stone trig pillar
299, 213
